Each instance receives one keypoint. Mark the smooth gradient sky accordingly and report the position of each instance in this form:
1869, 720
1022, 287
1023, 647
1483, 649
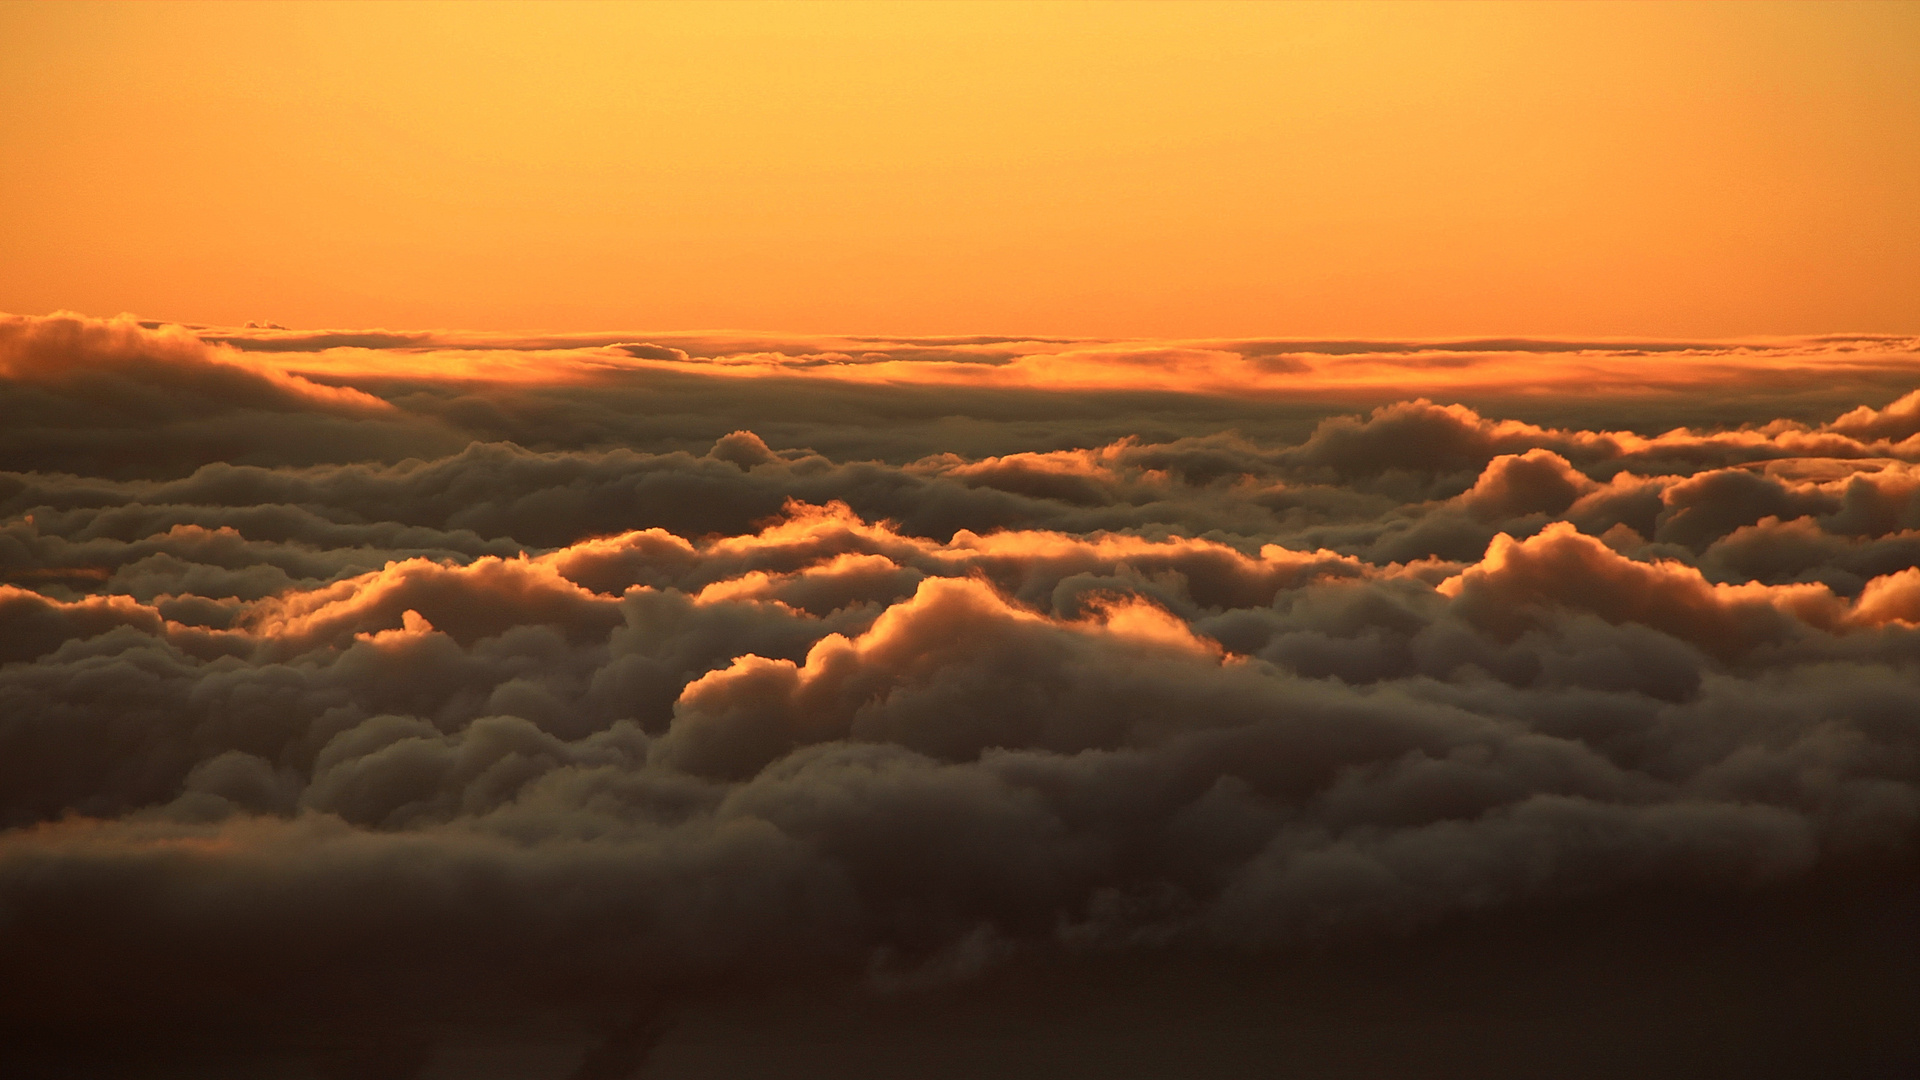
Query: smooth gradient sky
1110, 170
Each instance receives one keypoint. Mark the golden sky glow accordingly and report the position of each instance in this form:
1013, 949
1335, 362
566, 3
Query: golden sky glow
1108, 170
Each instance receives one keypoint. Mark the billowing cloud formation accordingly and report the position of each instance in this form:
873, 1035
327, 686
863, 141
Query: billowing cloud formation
574, 725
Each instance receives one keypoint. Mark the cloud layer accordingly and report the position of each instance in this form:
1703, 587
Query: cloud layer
458, 679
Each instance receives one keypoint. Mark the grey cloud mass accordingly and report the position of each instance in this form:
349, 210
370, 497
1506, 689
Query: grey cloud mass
364, 724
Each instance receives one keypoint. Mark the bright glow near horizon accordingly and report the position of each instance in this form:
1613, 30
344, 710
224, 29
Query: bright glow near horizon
1108, 170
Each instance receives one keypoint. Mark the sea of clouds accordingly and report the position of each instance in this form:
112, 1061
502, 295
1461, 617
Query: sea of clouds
360, 676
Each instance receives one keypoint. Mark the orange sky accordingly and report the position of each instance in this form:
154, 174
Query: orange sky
1107, 170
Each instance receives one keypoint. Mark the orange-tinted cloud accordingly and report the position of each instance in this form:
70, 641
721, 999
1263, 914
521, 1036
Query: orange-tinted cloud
671, 696
105, 361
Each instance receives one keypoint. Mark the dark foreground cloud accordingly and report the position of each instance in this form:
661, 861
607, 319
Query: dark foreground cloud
360, 747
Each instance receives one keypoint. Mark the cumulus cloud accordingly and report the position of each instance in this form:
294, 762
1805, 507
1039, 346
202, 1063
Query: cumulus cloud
580, 729
111, 397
